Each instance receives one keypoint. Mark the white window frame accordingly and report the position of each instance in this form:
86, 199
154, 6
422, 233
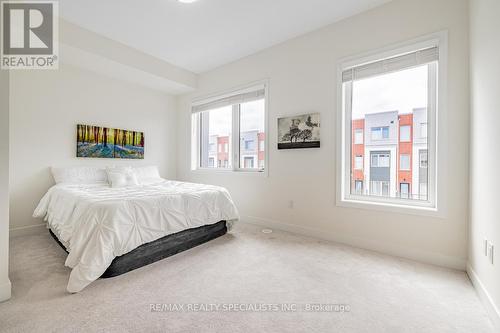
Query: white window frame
437, 130
234, 152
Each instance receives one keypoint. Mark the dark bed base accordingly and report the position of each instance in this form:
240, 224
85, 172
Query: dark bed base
161, 248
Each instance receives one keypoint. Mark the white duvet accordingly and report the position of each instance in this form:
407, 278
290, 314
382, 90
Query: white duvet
97, 223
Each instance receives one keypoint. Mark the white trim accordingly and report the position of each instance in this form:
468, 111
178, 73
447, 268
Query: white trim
27, 230
437, 177
426, 257
5, 290
235, 141
485, 297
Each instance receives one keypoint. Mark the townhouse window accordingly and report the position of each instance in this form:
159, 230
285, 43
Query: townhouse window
238, 121
423, 130
358, 186
405, 133
249, 144
380, 160
358, 162
423, 162
358, 136
394, 96
404, 190
248, 162
380, 133
404, 162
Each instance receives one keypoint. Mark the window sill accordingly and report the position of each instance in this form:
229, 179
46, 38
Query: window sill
424, 209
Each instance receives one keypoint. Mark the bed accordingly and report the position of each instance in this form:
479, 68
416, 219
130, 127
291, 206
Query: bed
109, 231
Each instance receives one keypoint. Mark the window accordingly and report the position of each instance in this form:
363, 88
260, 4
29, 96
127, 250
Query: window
404, 162
358, 136
423, 130
214, 124
252, 119
380, 160
423, 159
358, 187
249, 144
380, 133
230, 129
404, 190
358, 162
261, 164
394, 97
422, 190
248, 161
379, 188
404, 133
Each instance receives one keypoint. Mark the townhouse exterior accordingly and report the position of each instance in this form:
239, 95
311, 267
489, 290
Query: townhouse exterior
252, 154
389, 155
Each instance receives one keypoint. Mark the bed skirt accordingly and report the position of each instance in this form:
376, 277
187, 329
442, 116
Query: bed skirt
161, 248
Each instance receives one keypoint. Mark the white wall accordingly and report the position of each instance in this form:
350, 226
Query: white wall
485, 158
47, 105
4, 186
302, 76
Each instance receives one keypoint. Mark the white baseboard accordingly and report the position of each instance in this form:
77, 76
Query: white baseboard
485, 297
393, 250
5, 290
27, 230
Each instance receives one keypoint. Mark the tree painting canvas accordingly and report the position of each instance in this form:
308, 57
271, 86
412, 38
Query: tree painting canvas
103, 142
299, 131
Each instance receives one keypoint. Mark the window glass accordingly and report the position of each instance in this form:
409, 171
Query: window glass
404, 133
423, 130
252, 124
404, 163
405, 190
214, 145
358, 162
388, 105
215, 128
358, 137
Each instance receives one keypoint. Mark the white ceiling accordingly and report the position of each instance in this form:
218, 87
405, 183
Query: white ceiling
208, 33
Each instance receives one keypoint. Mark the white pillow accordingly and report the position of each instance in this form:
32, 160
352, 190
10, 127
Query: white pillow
122, 177
79, 175
147, 174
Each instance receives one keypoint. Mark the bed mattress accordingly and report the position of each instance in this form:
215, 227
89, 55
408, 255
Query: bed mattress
97, 223
159, 249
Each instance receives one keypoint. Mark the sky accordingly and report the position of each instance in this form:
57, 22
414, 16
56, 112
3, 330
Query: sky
402, 91
251, 118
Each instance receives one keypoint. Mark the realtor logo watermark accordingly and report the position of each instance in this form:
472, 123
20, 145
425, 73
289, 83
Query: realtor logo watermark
249, 307
29, 35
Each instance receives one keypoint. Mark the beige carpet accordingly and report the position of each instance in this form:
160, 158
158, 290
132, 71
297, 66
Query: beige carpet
245, 268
